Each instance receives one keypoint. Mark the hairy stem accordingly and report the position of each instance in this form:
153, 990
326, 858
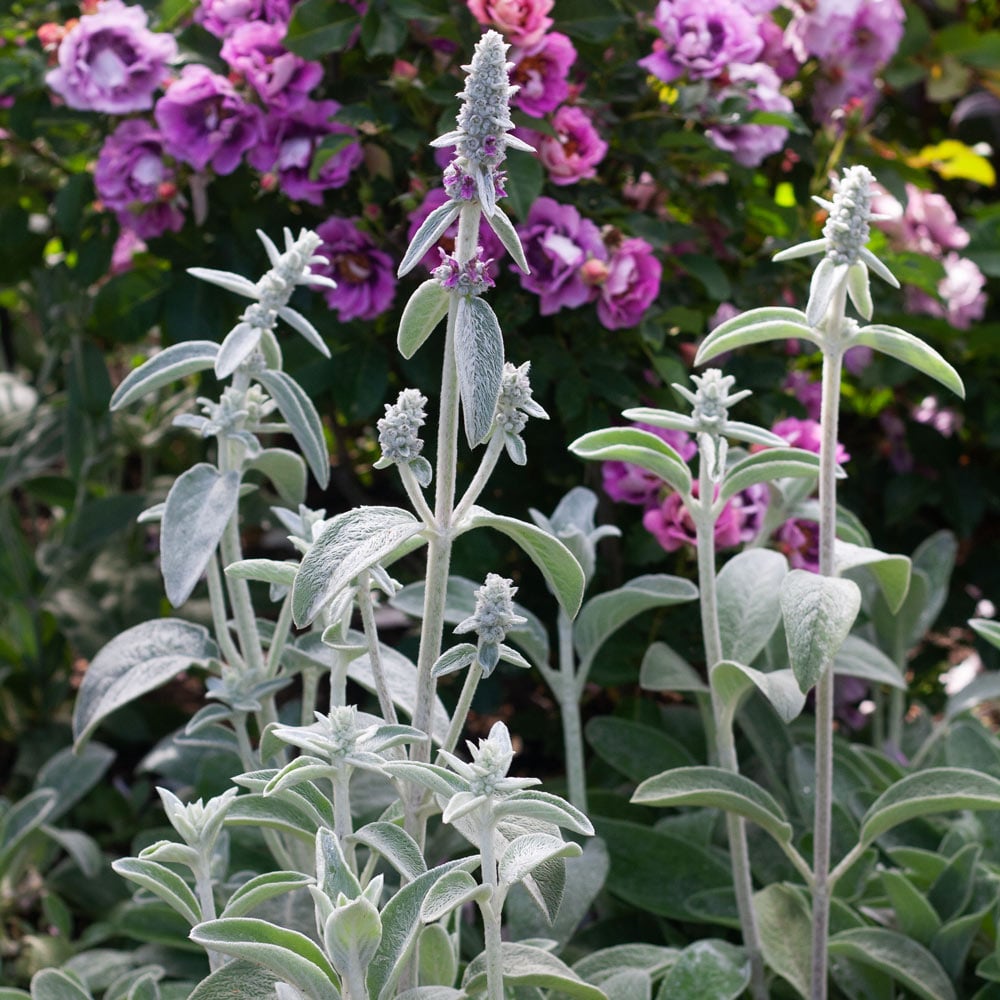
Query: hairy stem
491, 916
567, 693
343, 824
481, 478
365, 603
279, 640
440, 542
725, 744
217, 600
458, 718
829, 418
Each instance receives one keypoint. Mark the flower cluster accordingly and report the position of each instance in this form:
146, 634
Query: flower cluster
260, 113
737, 52
468, 279
573, 263
514, 406
399, 429
492, 619
927, 225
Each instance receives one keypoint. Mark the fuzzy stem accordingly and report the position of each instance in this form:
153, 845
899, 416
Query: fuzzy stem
491, 915
458, 718
279, 640
415, 494
440, 541
701, 511
343, 825
829, 418
481, 478
386, 706
567, 693
310, 687
206, 901
217, 601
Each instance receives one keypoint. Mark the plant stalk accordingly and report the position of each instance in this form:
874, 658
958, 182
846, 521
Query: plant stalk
440, 541
491, 916
568, 695
458, 718
365, 602
829, 419
725, 745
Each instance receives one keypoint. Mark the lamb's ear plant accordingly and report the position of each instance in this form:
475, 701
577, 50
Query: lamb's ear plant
376, 933
815, 613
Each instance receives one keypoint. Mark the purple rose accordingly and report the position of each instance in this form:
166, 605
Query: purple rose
290, 143
557, 244
853, 39
750, 507
365, 276
223, 17
281, 78
125, 249
807, 434
777, 52
943, 419
751, 144
493, 249
540, 73
700, 40
631, 285
111, 62
205, 122
927, 225
573, 152
133, 180
799, 541
628, 483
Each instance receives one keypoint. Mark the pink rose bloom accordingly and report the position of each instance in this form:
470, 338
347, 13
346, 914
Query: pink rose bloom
962, 292
572, 154
111, 62
807, 434
671, 525
540, 72
701, 40
493, 249
927, 224
126, 247
751, 144
628, 483
799, 541
631, 285
365, 276
522, 21
281, 78
290, 143
205, 122
943, 419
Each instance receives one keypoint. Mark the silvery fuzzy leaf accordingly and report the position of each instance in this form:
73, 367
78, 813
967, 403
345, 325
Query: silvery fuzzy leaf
164, 883
422, 471
660, 418
303, 420
167, 366
197, 510
191, 421
737, 430
891, 572
524, 965
516, 451
826, 279
513, 142
479, 360
430, 231
239, 344
226, 279
878, 267
54, 984
426, 307
911, 351
349, 544
449, 892
818, 612
859, 289
801, 250
286, 470
513, 657
631, 444
456, 658
486, 189
299, 323
525, 853
504, 228
755, 327
136, 661
352, 934
263, 570
749, 611
271, 350
246, 980
151, 515
448, 139
733, 681
395, 845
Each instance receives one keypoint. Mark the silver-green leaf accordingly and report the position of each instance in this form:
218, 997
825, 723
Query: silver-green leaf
170, 364
427, 306
479, 361
912, 351
302, 419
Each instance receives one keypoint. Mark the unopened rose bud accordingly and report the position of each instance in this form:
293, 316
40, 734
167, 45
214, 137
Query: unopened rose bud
403, 71
594, 272
166, 190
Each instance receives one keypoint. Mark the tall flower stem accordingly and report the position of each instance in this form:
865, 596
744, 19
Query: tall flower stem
829, 417
491, 916
567, 692
440, 542
365, 603
725, 744
472, 679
